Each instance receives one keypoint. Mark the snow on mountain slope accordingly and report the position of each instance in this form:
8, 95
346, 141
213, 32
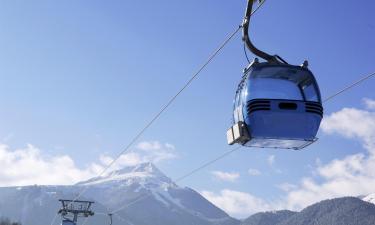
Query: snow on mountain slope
33, 205
153, 192
145, 174
369, 198
144, 193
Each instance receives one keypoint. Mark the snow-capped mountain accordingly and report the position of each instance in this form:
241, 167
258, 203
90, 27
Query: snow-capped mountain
143, 193
152, 198
369, 198
145, 175
145, 196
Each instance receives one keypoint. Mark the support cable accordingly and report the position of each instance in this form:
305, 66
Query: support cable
139, 134
356, 83
54, 219
187, 84
233, 150
349, 87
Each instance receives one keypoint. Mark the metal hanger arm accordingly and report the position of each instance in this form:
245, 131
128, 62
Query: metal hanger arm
245, 35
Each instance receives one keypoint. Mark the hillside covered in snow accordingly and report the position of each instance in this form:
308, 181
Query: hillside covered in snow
143, 193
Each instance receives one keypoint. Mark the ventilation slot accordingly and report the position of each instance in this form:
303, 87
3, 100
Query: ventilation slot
257, 105
314, 107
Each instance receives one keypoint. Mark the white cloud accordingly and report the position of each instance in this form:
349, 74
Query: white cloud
153, 151
226, 176
352, 123
271, 160
170, 146
351, 175
149, 146
369, 103
128, 159
236, 203
28, 166
287, 187
254, 172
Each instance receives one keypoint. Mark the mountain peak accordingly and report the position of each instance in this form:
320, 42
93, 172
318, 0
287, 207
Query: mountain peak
146, 167
142, 173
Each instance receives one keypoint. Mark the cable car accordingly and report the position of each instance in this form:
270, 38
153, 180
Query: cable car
277, 105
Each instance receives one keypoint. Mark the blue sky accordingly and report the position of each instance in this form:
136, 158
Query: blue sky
79, 79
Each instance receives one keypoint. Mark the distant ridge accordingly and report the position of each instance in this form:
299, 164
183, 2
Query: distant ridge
166, 203
268, 218
339, 211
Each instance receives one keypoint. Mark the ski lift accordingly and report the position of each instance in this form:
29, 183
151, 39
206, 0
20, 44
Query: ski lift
277, 105
72, 209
